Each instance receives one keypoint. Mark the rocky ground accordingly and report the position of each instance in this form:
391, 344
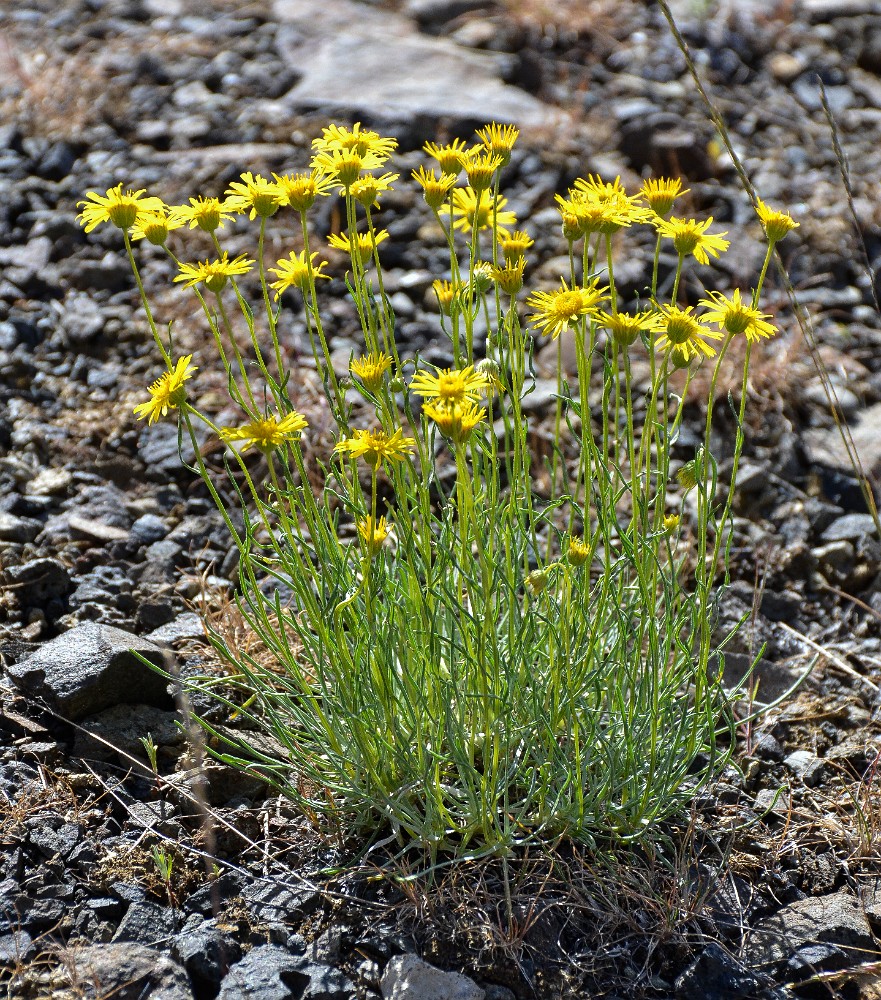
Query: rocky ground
190, 883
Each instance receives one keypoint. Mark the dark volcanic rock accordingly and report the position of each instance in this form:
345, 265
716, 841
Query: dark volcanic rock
91, 668
129, 971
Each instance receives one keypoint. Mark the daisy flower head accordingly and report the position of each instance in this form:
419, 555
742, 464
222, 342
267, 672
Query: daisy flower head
206, 213
435, 190
556, 311
455, 420
345, 165
659, 194
480, 168
584, 216
368, 188
254, 194
671, 523
491, 372
578, 552
154, 226
377, 447
736, 316
594, 188
354, 140
499, 140
214, 273
167, 392
450, 385
299, 191
482, 276
776, 224
449, 157
510, 277
363, 244
682, 332
514, 245
473, 210
370, 369
268, 433
119, 208
373, 535
447, 293
625, 327
295, 272
690, 237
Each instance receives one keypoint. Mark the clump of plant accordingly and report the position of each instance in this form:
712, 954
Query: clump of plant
464, 659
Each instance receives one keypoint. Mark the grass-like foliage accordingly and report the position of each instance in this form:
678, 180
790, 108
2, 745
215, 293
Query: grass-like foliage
459, 656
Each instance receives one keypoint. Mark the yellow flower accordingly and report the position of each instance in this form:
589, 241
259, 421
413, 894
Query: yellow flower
450, 385
447, 293
735, 316
536, 581
515, 245
626, 327
299, 191
671, 523
294, 272
555, 311
267, 434
213, 272
660, 193
376, 446
454, 420
499, 140
373, 535
692, 237
154, 226
435, 190
586, 214
510, 277
364, 243
777, 224
119, 207
480, 166
578, 552
206, 213
367, 189
354, 140
472, 210
256, 193
370, 369
345, 165
682, 331
167, 392
449, 157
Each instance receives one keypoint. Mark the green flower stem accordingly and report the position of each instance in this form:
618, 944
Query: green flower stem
253, 408
270, 314
386, 318
144, 302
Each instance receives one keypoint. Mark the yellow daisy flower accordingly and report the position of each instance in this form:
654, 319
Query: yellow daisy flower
299, 191
578, 552
776, 224
206, 213
499, 140
510, 277
515, 245
626, 327
363, 245
435, 190
660, 193
450, 385
118, 207
267, 434
370, 369
480, 167
736, 316
213, 273
154, 226
472, 210
294, 272
682, 331
447, 293
671, 523
690, 237
255, 193
449, 157
555, 311
345, 165
376, 447
373, 535
368, 188
167, 392
455, 420
354, 140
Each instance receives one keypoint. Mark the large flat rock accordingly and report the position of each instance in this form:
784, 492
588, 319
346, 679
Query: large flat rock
358, 59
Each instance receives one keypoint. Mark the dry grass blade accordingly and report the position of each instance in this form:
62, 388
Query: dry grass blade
831, 656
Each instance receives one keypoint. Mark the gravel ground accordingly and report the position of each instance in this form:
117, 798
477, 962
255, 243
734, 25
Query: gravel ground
107, 544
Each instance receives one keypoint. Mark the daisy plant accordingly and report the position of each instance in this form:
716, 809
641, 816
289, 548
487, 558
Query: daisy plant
480, 644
